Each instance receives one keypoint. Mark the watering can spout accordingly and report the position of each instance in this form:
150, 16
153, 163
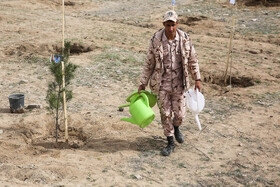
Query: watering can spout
197, 121
130, 120
140, 111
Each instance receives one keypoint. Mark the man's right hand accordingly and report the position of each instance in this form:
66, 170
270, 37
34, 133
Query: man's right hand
141, 87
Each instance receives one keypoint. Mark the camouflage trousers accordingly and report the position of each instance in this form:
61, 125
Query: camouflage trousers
171, 104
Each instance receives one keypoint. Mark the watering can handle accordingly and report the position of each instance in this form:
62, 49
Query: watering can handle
146, 100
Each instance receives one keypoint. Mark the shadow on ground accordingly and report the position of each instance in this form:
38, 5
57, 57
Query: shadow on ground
109, 145
5, 110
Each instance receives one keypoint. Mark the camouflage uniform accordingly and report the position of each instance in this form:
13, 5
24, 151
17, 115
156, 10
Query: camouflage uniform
167, 66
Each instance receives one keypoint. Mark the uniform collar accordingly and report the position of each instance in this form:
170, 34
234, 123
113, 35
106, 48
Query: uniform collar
164, 38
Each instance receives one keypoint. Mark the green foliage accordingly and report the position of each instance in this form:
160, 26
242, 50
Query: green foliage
54, 93
52, 97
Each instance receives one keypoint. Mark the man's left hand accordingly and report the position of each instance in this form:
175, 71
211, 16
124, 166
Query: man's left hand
197, 85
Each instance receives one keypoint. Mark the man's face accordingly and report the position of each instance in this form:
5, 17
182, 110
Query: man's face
170, 27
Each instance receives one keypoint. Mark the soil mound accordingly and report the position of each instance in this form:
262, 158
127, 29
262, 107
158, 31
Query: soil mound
27, 50
268, 3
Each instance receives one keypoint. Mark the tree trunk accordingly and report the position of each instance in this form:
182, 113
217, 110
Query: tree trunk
56, 118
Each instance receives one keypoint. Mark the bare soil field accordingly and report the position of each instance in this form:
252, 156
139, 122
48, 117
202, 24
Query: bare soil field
239, 144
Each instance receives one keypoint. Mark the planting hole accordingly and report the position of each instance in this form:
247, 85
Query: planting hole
191, 21
236, 81
77, 48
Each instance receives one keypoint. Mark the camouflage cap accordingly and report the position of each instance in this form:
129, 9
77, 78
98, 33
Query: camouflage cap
170, 16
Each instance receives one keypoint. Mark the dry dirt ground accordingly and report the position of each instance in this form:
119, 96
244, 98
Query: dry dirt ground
240, 140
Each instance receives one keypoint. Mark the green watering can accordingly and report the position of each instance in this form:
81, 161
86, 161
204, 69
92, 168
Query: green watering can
140, 110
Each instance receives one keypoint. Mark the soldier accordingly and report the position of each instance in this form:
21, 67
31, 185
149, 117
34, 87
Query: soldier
170, 59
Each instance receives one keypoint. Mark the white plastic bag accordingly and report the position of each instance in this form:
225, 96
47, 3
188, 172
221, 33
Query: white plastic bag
195, 103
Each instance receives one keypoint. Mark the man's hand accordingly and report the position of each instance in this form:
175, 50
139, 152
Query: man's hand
141, 87
197, 85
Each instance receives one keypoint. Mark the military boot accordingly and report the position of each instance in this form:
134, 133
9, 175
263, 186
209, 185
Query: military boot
169, 148
178, 135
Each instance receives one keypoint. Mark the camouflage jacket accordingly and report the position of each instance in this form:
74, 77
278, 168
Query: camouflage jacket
153, 66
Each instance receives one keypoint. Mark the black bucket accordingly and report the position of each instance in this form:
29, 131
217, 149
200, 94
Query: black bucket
16, 103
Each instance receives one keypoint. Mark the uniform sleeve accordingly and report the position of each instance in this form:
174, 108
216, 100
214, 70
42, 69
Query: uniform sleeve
149, 66
193, 66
